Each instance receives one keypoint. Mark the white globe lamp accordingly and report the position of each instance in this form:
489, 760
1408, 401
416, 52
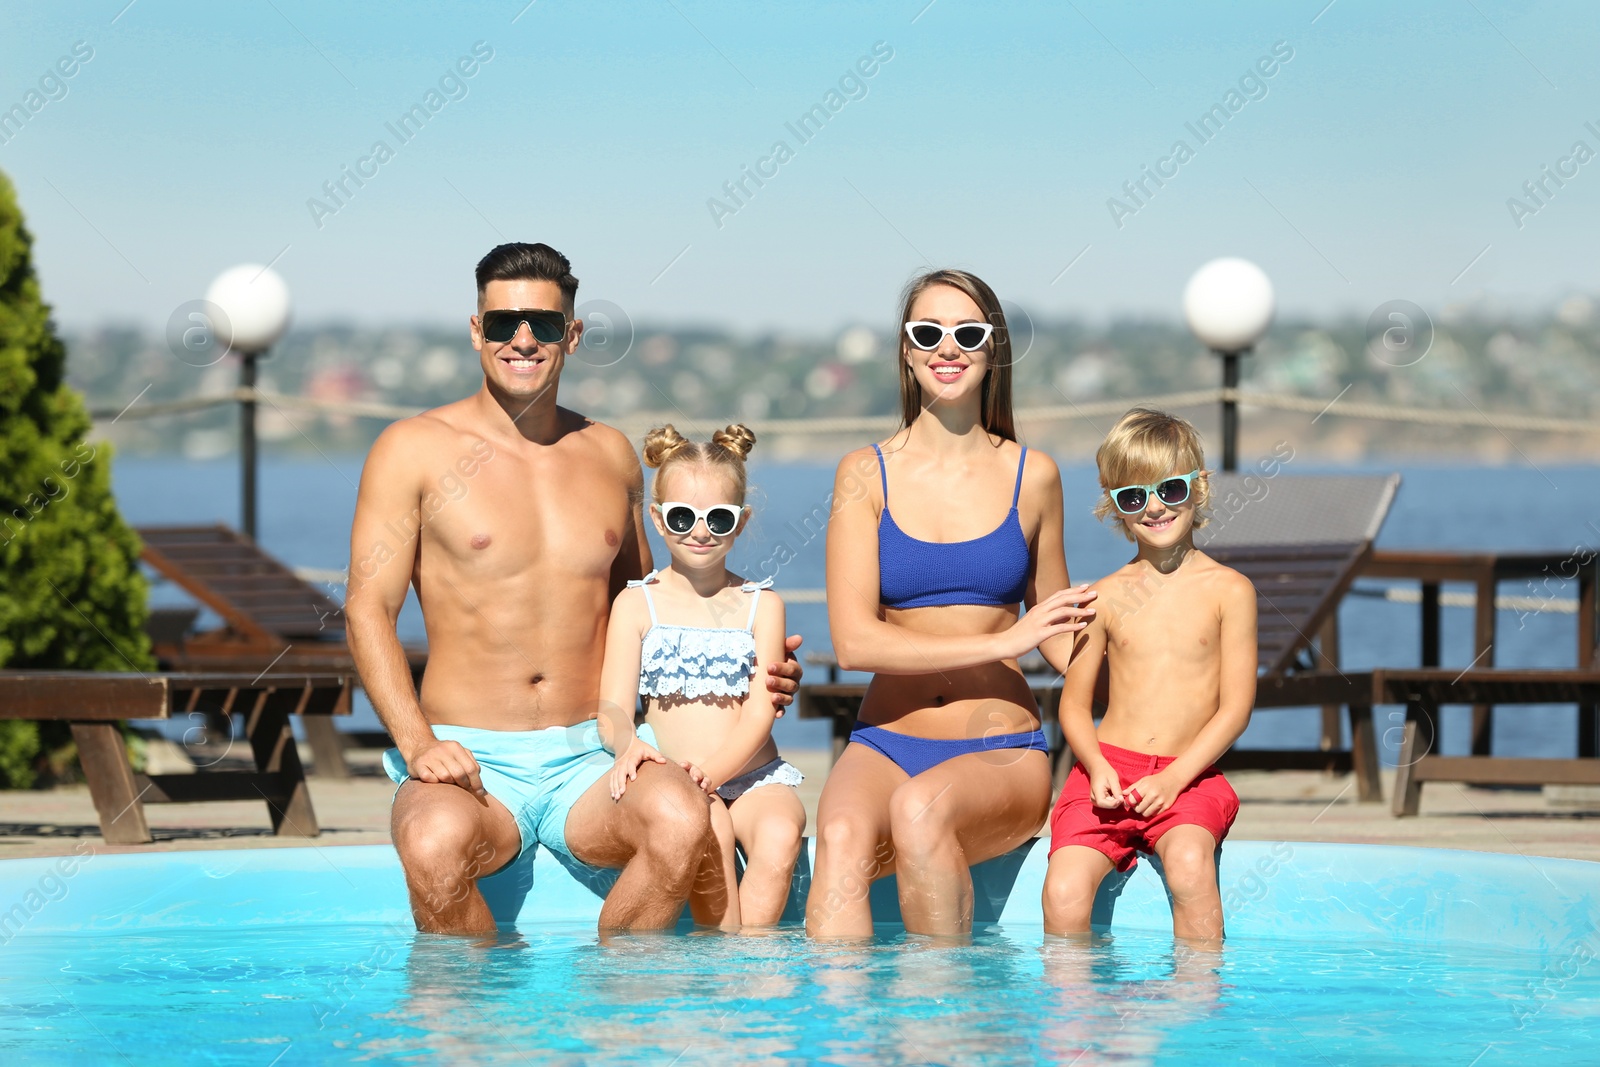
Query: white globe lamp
255, 301
254, 305
1228, 305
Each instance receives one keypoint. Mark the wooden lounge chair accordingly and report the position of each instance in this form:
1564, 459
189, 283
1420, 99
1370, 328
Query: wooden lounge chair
1301, 540
1485, 571
95, 702
264, 606
1423, 690
272, 619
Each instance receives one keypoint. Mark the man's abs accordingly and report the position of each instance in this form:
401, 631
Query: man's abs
517, 654
487, 696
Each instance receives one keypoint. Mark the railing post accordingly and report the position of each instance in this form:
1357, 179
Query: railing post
247, 444
1230, 411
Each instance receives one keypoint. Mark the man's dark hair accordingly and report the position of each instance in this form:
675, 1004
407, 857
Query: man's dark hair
519, 261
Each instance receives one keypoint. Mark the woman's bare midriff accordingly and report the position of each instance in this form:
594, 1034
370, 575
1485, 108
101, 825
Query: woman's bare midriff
947, 704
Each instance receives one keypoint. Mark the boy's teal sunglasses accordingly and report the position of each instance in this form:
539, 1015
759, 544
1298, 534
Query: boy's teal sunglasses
1132, 499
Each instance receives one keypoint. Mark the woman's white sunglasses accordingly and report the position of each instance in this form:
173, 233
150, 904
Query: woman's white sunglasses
969, 336
720, 519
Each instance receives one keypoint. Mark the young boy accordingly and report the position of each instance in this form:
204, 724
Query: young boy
1177, 632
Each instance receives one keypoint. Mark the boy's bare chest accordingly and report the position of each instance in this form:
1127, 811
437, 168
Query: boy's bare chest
1173, 622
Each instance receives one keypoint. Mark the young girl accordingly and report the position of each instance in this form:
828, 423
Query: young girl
690, 639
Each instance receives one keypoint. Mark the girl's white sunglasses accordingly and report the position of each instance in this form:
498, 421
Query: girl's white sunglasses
680, 518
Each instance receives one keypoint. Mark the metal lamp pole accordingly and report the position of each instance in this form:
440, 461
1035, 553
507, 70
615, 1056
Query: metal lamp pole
247, 444
1230, 410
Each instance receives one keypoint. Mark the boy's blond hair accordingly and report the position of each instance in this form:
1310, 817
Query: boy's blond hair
1146, 446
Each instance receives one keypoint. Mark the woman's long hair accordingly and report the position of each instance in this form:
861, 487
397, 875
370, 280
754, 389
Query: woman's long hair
996, 395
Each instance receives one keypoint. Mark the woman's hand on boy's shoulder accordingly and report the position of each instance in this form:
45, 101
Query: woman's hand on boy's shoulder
1066, 611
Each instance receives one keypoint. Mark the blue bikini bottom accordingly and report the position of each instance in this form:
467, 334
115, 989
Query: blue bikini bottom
917, 754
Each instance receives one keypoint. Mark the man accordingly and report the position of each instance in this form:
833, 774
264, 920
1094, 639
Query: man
517, 521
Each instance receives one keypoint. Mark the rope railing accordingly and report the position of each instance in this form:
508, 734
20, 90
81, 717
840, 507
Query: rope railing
1392, 593
858, 424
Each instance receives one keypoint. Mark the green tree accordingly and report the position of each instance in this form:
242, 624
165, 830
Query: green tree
71, 595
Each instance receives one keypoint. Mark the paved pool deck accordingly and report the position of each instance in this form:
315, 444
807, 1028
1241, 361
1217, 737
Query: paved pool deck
1275, 806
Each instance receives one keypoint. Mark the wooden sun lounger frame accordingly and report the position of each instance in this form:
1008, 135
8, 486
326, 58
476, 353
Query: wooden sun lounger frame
273, 620
1423, 691
93, 703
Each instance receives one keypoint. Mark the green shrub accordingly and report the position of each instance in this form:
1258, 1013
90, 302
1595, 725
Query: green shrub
71, 595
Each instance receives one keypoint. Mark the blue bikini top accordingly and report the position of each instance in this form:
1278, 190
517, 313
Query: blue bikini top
696, 662
991, 570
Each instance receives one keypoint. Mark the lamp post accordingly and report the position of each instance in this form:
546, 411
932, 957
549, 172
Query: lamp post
255, 303
1228, 304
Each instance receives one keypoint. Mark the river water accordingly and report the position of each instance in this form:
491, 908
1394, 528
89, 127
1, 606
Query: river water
306, 505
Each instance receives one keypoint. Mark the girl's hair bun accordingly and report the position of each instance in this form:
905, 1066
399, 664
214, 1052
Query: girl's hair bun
662, 443
738, 439
725, 452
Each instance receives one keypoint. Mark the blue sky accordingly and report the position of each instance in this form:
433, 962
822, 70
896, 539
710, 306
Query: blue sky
1377, 165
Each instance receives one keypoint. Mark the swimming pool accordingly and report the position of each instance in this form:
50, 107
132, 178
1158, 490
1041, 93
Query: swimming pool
1336, 954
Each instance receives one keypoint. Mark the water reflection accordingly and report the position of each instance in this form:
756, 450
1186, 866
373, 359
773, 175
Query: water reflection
1118, 1000
562, 996
706, 998
713, 999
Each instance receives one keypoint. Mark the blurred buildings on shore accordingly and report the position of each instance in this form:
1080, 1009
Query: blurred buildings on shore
1546, 364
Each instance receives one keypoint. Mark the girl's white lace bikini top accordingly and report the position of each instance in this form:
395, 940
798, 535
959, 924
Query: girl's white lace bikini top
696, 662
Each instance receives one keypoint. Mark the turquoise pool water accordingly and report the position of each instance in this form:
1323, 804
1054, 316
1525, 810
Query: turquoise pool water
1336, 954
348, 993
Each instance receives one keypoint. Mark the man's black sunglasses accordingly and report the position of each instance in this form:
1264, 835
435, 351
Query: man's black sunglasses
501, 324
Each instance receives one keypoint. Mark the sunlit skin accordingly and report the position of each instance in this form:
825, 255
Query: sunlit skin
518, 557
723, 737
1176, 631
939, 672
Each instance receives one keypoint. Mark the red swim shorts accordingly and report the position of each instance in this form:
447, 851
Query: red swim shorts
1121, 833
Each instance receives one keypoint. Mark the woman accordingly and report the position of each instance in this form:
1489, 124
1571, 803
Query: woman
947, 766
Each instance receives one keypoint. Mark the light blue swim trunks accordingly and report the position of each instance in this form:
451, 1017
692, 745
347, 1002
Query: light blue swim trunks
537, 774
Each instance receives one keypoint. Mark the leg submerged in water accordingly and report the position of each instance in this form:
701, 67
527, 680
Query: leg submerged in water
714, 898
958, 813
1188, 855
657, 835
447, 839
853, 844
1070, 884
770, 823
